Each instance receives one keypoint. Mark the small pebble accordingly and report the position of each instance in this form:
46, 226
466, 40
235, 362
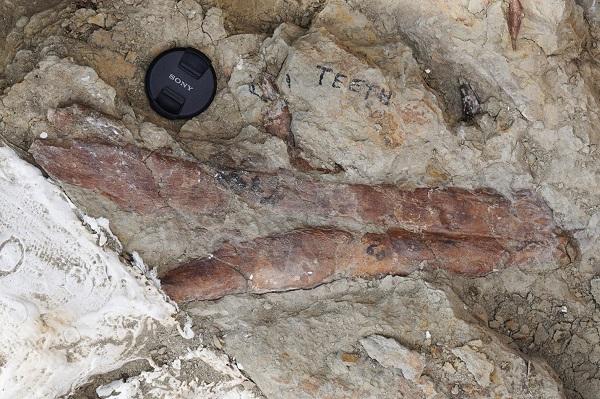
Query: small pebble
217, 342
449, 368
131, 57
98, 20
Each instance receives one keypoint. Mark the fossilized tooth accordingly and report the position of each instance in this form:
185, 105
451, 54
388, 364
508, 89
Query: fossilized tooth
465, 231
514, 18
303, 259
151, 183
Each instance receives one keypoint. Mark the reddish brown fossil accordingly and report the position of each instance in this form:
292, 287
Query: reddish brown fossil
148, 182
514, 19
469, 232
306, 258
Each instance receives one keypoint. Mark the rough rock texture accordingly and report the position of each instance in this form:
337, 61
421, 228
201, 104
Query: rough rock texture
178, 379
396, 337
339, 124
390, 354
69, 309
15, 14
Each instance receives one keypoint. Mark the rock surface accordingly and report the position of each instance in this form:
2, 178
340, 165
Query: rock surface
69, 308
398, 336
177, 380
390, 354
348, 139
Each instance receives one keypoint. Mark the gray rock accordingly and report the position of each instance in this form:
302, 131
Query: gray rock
477, 364
292, 344
389, 353
595, 283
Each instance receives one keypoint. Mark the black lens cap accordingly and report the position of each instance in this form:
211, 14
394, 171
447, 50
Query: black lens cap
181, 83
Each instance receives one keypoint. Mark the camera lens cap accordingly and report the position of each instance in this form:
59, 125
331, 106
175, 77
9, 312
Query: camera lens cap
181, 83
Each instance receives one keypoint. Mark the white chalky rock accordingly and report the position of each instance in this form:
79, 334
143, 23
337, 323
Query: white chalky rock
68, 309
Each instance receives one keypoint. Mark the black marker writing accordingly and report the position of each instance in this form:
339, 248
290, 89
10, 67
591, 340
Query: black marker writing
338, 79
252, 88
356, 84
323, 71
371, 87
385, 97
